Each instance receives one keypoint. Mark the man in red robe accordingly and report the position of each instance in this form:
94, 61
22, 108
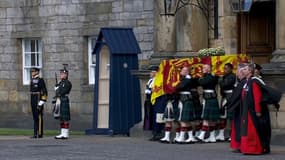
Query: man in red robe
250, 115
254, 131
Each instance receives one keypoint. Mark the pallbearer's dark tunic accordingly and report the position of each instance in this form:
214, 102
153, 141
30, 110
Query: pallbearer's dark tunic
196, 99
227, 87
210, 103
186, 110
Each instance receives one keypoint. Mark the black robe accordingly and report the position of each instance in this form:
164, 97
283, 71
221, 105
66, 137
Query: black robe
262, 123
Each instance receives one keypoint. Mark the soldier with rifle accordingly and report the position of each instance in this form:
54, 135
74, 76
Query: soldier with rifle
38, 93
62, 89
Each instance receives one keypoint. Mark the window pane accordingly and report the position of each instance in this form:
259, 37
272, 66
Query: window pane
91, 59
34, 46
28, 60
33, 61
32, 57
27, 46
93, 42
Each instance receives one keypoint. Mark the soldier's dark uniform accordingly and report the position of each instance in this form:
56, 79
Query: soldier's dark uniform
196, 99
38, 93
197, 106
227, 85
187, 109
210, 104
187, 112
63, 88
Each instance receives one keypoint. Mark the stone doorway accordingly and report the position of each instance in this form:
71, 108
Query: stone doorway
257, 32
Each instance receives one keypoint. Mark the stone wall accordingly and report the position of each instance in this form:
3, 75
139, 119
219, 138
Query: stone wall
227, 27
64, 27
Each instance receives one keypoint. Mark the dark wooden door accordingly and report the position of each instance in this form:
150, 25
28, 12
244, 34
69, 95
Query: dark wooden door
257, 32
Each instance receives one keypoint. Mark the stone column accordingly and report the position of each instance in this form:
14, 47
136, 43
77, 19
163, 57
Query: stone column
181, 35
277, 63
164, 30
274, 72
164, 35
191, 29
279, 53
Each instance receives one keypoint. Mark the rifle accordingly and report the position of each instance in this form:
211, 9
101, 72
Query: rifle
56, 101
55, 78
54, 98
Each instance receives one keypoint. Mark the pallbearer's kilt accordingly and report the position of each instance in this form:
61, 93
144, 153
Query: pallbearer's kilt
197, 105
187, 111
229, 115
64, 109
225, 113
211, 109
171, 112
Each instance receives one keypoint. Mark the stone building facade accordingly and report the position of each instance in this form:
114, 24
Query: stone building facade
259, 33
63, 31
48, 33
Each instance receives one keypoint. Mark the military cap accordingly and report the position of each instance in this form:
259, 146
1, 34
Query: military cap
64, 70
35, 69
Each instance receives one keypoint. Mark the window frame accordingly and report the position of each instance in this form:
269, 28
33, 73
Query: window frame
91, 65
38, 58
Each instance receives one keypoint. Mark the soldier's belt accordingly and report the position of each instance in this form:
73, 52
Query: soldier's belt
209, 91
228, 91
209, 95
184, 92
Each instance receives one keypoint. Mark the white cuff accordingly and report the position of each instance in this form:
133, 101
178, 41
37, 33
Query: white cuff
147, 91
41, 103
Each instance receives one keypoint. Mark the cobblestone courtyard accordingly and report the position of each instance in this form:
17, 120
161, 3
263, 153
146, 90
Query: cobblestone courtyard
118, 148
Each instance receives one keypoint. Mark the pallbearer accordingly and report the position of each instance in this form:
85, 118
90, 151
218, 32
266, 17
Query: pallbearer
227, 84
211, 112
186, 106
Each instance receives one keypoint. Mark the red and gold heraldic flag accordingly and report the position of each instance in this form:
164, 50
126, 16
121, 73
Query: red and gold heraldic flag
168, 75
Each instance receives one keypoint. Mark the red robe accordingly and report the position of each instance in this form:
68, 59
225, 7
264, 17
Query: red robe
234, 144
250, 141
251, 134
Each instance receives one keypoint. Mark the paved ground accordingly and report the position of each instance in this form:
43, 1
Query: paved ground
118, 148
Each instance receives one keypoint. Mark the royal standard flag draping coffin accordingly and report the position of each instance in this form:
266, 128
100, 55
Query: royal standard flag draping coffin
157, 89
168, 75
218, 62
